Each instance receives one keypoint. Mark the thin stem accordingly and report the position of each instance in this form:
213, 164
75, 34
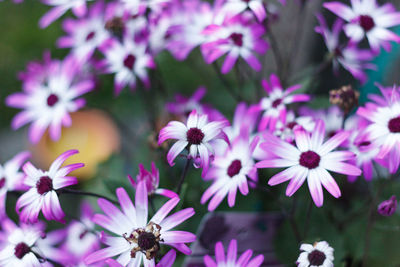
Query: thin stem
226, 83
276, 52
184, 172
83, 193
153, 207
308, 217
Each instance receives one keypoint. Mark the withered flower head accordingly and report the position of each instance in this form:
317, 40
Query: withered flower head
345, 98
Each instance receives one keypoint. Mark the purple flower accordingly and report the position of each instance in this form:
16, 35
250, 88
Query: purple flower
274, 106
366, 19
85, 34
197, 136
388, 207
137, 239
352, 58
51, 91
11, 178
384, 127
166, 261
139, 6
152, 180
333, 118
309, 159
78, 7
236, 37
231, 258
229, 172
42, 194
238, 6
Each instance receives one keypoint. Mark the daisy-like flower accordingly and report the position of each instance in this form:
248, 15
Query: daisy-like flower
127, 60
197, 136
274, 106
152, 180
333, 118
229, 172
85, 34
231, 258
384, 130
51, 91
286, 131
42, 194
139, 6
238, 6
309, 159
236, 37
11, 178
318, 254
138, 240
365, 18
78, 7
166, 261
352, 58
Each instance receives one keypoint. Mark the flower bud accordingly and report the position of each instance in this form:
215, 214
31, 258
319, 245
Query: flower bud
388, 207
345, 98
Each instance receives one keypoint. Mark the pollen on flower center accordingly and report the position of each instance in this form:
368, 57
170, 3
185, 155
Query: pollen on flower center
146, 240
194, 136
2, 182
316, 258
52, 100
394, 125
90, 36
44, 185
276, 102
129, 61
237, 38
309, 159
366, 22
234, 168
21, 249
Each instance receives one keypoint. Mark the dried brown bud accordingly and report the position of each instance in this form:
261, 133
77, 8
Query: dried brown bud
115, 26
345, 98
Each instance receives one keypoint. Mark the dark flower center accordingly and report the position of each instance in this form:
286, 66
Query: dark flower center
291, 125
129, 61
21, 250
194, 136
316, 257
365, 143
237, 38
83, 234
147, 240
276, 102
2, 182
338, 52
310, 159
52, 100
90, 36
394, 125
44, 185
234, 168
366, 22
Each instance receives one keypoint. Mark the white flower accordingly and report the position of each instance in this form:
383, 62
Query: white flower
318, 254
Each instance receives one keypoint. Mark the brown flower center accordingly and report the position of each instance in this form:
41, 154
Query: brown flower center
147, 240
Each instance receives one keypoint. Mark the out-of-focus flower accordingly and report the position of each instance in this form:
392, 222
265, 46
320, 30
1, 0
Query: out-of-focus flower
127, 60
11, 178
348, 55
166, 261
274, 106
238, 6
135, 7
345, 98
318, 254
229, 172
333, 118
197, 136
85, 34
388, 207
366, 19
231, 258
309, 159
138, 240
286, 131
384, 129
42, 186
78, 7
51, 91
152, 180
236, 37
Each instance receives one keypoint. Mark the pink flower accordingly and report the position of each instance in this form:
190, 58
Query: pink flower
238, 6
388, 207
51, 91
333, 118
11, 178
231, 257
236, 37
152, 180
43, 186
166, 261
197, 136
274, 106
309, 159
137, 239
352, 58
128, 61
229, 172
78, 7
85, 34
366, 19
384, 127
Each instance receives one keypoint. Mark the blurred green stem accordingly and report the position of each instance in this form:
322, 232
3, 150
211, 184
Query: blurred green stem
184, 173
226, 83
84, 193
